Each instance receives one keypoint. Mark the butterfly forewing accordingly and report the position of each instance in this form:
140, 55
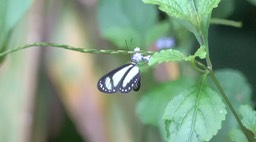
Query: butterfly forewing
122, 79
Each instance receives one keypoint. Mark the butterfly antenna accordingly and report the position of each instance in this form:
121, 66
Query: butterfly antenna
131, 42
126, 44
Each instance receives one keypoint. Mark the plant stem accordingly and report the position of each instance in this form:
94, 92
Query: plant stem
226, 22
216, 82
64, 46
208, 59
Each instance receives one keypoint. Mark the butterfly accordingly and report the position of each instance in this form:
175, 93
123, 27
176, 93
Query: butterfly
124, 78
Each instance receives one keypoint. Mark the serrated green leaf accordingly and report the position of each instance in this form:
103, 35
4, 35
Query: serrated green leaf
236, 135
151, 106
248, 118
175, 55
193, 14
121, 20
166, 55
195, 115
186, 9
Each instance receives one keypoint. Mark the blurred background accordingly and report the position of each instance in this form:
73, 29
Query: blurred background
50, 95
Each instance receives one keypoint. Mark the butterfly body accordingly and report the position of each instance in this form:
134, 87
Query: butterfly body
122, 79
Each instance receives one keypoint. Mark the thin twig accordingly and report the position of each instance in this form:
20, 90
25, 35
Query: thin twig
68, 47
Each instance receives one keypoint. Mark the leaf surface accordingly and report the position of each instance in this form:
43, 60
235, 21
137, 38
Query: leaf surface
194, 115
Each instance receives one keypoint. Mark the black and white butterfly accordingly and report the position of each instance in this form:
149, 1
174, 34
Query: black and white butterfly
124, 78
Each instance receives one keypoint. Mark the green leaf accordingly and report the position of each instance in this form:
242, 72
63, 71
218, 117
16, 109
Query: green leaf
225, 9
166, 55
175, 55
236, 135
194, 115
192, 11
121, 20
201, 53
248, 118
193, 14
238, 91
235, 85
151, 106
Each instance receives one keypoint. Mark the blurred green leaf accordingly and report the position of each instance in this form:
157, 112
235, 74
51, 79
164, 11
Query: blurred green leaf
236, 135
11, 11
151, 106
122, 20
252, 2
248, 118
195, 114
224, 9
238, 91
159, 30
235, 85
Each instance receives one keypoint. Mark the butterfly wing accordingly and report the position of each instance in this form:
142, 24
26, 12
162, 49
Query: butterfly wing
137, 88
122, 79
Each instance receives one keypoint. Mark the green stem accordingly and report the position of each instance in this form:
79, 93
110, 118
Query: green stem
64, 46
214, 79
195, 67
208, 59
226, 22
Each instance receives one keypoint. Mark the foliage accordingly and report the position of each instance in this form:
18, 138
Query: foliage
195, 114
130, 25
190, 108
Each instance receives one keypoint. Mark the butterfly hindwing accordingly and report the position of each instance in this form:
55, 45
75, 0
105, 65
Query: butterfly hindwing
137, 88
122, 79
130, 81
